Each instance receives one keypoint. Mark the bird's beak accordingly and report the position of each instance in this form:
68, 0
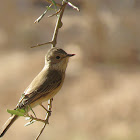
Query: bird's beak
70, 55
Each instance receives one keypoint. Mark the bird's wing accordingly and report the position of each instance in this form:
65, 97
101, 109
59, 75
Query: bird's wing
41, 86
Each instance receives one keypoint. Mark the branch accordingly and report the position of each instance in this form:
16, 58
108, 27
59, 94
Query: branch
57, 4
47, 118
36, 119
51, 4
73, 6
55, 13
69, 3
53, 42
39, 18
57, 27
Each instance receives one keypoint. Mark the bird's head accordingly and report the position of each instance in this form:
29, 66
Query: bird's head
57, 59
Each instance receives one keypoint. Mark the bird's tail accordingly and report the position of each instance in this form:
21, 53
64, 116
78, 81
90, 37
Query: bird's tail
7, 125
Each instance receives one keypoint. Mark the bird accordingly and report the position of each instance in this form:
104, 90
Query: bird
45, 85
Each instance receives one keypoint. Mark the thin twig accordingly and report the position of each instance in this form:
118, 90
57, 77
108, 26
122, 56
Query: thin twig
57, 4
58, 25
53, 42
69, 3
50, 42
48, 114
40, 17
44, 107
73, 6
55, 13
36, 119
32, 111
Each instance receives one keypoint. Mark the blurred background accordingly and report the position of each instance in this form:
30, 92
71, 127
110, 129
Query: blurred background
100, 99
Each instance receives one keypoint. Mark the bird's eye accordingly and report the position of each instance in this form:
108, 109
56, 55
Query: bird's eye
57, 57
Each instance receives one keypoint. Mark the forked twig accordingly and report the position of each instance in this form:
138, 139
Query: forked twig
57, 4
69, 3
58, 23
35, 118
47, 118
57, 27
53, 42
40, 17
55, 13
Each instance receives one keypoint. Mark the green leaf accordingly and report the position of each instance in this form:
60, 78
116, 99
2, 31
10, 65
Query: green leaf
54, 4
21, 110
49, 8
18, 112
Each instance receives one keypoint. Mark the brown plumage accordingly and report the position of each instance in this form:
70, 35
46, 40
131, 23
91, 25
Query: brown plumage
45, 85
